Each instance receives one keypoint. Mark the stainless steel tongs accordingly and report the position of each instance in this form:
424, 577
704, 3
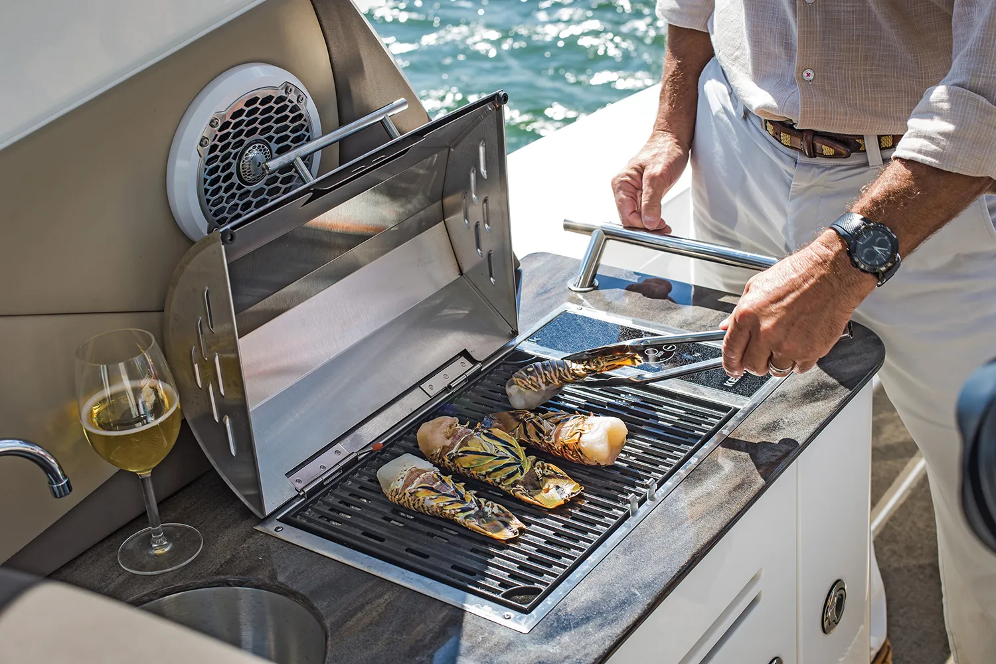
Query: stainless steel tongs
656, 350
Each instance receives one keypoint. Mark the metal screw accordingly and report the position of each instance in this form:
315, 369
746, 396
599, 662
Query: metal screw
214, 123
278, 529
430, 387
204, 141
298, 481
507, 615
322, 467
776, 660
300, 99
289, 90
338, 452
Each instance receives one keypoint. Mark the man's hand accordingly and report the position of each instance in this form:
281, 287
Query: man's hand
638, 189
793, 313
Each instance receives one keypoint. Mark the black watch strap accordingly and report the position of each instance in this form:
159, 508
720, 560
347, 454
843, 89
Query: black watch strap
848, 226
849, 223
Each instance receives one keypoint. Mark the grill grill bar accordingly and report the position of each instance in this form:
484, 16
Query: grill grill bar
665, 428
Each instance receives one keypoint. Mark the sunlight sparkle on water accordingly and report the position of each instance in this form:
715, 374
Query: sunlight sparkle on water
557, 59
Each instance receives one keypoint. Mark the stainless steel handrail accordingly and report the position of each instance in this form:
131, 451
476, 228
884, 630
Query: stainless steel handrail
601, 233
296, 156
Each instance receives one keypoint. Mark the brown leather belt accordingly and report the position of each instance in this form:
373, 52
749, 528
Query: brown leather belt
823, 144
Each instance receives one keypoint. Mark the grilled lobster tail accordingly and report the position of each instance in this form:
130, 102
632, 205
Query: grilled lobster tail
537, 383
493, 456
418, 485
587, 439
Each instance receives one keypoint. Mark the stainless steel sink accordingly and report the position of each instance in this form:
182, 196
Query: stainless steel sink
264, 623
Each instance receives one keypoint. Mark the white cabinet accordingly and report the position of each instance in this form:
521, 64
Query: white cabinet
834, 481
743, 591
759, 593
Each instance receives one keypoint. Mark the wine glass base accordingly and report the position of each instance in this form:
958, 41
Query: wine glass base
137, 556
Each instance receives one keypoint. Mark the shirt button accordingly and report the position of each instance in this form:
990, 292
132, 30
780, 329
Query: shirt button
808, 74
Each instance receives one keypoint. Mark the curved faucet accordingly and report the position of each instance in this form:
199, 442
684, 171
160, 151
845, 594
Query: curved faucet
58, 482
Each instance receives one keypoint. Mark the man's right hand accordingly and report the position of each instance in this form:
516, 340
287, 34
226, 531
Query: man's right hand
639, 187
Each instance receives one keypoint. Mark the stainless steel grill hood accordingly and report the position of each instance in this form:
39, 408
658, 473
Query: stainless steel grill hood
304, 330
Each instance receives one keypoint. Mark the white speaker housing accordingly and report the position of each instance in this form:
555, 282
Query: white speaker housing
202, 181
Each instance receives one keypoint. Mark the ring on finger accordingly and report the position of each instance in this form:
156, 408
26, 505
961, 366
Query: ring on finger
777, 372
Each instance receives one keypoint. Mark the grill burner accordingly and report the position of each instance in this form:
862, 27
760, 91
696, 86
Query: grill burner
665, 428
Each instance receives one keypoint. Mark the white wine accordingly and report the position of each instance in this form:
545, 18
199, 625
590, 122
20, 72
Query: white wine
135, 427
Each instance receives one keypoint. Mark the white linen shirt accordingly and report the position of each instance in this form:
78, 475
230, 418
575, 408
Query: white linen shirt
926, 68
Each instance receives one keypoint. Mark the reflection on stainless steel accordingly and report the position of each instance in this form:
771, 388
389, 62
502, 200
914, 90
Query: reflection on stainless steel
295, 266
228, 444
713, 253
464, 210
335, 136
325, 325
334, 271
58, 482
320, 407
258, 621
586, 281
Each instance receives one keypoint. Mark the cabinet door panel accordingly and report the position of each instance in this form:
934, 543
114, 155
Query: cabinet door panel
747, 579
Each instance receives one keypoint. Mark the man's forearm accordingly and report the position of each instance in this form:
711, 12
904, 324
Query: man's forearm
688, 52
915, 201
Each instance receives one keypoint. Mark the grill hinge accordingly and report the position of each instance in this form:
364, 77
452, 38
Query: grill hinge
452, 375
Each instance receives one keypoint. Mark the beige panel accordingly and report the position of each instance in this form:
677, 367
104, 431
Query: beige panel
37, 354
86, 222
54, 622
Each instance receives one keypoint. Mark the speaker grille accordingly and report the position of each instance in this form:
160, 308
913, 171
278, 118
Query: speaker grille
267, 121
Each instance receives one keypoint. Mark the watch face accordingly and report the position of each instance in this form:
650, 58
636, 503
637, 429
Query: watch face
875, 249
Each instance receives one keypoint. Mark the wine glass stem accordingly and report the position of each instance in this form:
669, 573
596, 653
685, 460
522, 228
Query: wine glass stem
159, 541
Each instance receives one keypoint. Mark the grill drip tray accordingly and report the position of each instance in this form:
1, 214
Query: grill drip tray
516, 582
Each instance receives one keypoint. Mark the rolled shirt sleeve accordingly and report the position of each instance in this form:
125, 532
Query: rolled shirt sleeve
953, 127
692, 14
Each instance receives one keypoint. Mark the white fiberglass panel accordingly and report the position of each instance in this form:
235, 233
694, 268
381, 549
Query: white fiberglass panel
56, 55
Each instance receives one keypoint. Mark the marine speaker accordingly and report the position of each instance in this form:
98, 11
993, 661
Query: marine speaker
240, 120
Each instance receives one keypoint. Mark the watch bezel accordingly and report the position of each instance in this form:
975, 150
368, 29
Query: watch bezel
866, 229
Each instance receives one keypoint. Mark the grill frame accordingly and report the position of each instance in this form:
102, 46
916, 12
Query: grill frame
519, 620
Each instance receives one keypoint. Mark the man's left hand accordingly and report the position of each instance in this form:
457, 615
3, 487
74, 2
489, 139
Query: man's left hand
793, 313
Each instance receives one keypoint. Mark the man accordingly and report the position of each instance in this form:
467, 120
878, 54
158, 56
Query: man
794, 113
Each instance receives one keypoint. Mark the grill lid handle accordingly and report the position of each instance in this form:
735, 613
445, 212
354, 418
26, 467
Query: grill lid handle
601, 233
297, 155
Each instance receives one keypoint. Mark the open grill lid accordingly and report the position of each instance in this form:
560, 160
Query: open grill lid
351, 300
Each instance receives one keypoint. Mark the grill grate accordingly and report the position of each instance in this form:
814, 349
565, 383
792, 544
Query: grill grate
664, 429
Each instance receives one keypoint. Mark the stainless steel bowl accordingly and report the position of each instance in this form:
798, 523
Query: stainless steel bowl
261, 622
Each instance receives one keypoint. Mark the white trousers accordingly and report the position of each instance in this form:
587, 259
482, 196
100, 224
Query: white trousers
937, 316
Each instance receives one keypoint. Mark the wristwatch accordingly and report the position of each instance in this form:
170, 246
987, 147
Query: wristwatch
871, 246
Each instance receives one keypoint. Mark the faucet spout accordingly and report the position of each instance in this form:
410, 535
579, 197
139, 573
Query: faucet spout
58, 482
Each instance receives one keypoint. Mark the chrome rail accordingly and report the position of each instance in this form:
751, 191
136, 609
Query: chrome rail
602, 233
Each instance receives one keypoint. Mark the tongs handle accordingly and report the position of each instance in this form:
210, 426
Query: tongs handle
634, 346
665, 374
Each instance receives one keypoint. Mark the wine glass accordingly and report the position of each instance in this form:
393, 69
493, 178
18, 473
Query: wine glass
130, 412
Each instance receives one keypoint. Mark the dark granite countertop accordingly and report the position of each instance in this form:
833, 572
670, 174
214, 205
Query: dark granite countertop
372, 620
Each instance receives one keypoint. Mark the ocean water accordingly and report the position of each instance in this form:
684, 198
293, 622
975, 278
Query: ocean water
557, 59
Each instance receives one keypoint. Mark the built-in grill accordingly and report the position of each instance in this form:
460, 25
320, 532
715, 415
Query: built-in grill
665, 428
341, 315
